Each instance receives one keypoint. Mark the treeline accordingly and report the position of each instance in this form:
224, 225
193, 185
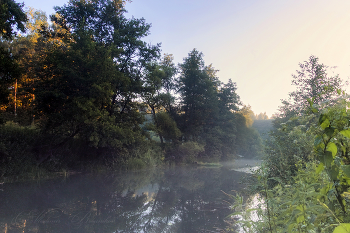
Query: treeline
304, 180
88, 88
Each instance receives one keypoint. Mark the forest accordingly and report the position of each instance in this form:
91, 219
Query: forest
85, 91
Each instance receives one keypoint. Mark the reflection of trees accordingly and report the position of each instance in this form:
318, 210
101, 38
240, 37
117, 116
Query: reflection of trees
175, 200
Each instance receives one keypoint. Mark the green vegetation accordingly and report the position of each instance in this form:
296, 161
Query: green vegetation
304, 180
86, 92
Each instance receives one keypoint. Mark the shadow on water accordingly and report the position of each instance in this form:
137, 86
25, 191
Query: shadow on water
177, 199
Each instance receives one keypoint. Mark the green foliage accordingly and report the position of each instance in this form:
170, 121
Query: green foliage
88, 81
15, 149
11, 15
197, 88
188, 151
305, 175
342, 228
167, 127
209, 112
308, 204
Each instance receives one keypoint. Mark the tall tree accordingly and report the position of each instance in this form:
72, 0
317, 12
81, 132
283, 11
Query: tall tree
312, 84
92, 80
198, 89
12, 15
27, 49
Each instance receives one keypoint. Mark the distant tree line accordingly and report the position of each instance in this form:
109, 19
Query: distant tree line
87, 83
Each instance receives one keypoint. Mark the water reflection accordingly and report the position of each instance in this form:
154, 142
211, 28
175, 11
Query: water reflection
177, 199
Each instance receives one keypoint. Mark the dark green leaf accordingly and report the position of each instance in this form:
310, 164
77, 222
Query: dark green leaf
334, 172
329, 131
327, 159
346, 170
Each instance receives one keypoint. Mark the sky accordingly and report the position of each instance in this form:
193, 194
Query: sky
256, 43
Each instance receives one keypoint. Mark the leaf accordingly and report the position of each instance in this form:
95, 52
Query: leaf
326, 158
300, 219
339, 91
325, 124
346, 132
334, 172
342, 228
319, 168
329, 131
331, 147
346, 170
314, 110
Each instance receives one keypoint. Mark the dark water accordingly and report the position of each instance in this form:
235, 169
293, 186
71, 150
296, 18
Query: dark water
176, 199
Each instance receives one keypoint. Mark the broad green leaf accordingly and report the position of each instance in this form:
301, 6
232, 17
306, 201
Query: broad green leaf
334, 172
326, 159
319, 168
329, 131
339, 91
300, 219
325, 124
346, 132
342, 228
314, 110
331, 147
346, 170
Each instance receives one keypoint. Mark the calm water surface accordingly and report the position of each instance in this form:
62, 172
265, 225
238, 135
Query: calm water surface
175, 199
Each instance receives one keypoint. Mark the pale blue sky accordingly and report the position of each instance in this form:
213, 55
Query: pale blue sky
256, 43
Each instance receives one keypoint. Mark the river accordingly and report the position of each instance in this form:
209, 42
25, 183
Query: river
172, 199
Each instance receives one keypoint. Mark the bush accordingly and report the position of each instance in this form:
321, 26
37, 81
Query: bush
188, 151
15, 148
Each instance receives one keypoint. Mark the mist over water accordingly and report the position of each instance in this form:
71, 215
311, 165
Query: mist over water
173, 199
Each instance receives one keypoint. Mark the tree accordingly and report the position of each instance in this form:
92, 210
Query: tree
313, 84
27, 49
198, 89
168, 82
228, 98
294, 125
93, 74
262, 116
107, 25
12, 15
248, 114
